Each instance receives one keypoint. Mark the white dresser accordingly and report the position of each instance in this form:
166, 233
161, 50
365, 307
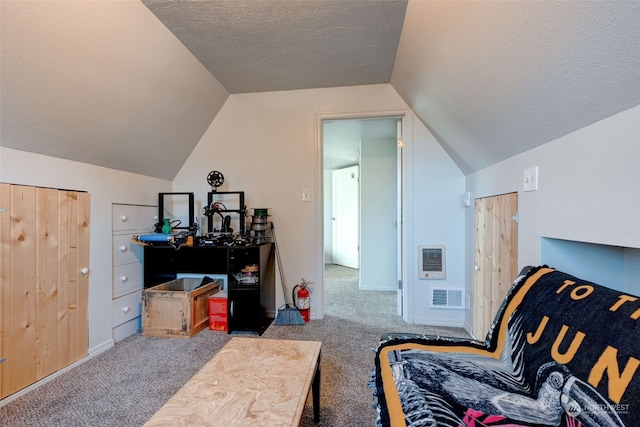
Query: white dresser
127, 258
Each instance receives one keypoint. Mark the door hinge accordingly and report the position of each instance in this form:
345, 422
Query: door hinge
516, 218
400, 284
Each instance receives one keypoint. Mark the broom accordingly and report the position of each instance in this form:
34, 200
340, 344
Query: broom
287, 314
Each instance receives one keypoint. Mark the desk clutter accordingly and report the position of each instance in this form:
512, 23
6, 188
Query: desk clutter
237, 246
227, 241
223, 210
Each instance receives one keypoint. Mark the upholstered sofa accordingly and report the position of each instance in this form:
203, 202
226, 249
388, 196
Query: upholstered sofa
562, 351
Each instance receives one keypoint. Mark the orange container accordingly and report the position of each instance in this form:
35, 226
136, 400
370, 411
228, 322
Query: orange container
218, 312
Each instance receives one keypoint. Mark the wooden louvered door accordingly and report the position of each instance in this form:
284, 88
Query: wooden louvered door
496, 256
44, 282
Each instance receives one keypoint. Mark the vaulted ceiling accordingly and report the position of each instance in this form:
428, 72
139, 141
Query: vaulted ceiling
490, 79
271, 45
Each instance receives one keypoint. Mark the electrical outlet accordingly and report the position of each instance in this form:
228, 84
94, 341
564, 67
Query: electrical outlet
530, 180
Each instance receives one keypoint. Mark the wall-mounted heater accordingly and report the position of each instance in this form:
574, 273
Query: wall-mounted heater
447, 298
431, 261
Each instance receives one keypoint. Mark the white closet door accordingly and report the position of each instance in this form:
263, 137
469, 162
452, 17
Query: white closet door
346, 202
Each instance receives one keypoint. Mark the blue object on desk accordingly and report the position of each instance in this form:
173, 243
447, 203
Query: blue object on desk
156, 237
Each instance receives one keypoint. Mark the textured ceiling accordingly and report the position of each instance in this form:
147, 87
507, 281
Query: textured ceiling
490, 79
260, 46
134, 85
103, 83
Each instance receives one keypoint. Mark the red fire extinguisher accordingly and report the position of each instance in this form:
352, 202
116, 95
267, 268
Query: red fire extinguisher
301, 300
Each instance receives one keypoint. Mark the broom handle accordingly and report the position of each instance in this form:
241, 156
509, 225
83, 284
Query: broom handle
275, 244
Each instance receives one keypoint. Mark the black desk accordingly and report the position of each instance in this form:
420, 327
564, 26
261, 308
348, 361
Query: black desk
250, 307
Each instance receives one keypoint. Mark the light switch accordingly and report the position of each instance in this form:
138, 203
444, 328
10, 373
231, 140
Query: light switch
530, 180
306, 196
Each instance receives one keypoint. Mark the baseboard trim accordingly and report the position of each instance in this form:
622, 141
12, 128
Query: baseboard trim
101, 348
431, 322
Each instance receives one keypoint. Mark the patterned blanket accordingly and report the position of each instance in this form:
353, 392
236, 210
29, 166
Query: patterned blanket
562, 352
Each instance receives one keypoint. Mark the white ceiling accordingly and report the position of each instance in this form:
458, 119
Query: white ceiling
106, 83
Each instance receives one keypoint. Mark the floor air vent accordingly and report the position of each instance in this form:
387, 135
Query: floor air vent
447, 298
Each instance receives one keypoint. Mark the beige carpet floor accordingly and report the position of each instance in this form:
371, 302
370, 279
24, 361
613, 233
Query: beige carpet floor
128, 383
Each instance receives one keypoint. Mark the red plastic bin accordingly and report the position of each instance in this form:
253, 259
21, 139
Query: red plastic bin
218, 312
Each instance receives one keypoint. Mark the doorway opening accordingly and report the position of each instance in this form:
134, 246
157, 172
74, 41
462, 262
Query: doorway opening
361, 209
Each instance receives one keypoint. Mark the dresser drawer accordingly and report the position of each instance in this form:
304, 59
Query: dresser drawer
127, 329
127, 278
127, 307
133, 217
125, 251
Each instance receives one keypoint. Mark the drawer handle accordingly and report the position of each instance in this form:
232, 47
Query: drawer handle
124, 279
123, 218
126, 309
123, 249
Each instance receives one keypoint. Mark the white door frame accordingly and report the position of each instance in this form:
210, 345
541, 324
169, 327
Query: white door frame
407, 203
400, 282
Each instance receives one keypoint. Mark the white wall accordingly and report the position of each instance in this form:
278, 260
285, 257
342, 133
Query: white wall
589, 189
378, 211
105, 186
438, 218
265, 144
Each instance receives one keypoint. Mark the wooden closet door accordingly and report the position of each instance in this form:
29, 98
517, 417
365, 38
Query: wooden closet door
5, 232
496, 256
44, 235
18, 287
73, 279
46, 280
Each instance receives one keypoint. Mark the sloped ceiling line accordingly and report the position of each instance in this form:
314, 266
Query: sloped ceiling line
490, 79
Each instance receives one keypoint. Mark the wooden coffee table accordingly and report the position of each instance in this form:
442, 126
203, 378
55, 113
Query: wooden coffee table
250, 381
